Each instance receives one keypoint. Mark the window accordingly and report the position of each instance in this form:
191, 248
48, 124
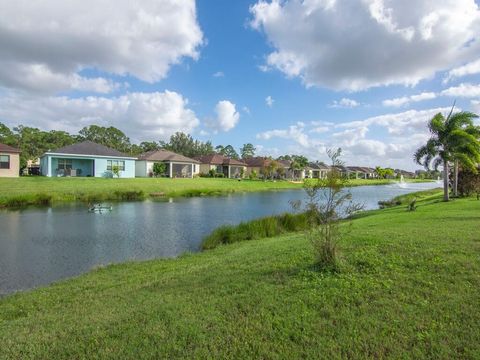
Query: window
112, 163
4, 161
64, 164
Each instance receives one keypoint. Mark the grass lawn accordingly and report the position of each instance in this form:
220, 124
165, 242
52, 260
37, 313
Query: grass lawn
43, 190
409, 287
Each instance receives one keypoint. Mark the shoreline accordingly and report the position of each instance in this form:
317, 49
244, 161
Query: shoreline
41, 191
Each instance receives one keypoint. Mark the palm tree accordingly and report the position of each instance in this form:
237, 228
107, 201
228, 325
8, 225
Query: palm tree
452, 138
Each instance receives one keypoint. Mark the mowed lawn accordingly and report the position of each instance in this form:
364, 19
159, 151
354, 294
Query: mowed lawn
43, 190
409, 288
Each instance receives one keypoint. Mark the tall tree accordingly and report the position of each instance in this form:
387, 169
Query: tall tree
184, 144
247, 150
108, 136
228, 151
451, 138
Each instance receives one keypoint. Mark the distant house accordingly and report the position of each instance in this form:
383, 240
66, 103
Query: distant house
9, 161
86, 159
176, 165
317, 170
230, 168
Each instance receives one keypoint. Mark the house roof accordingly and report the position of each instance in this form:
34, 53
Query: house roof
89, 148
217, 159
318, 166
8, 149
257, 161
285, 163
165, 155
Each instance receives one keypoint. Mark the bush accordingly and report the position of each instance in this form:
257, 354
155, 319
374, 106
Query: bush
468, 183
159, 169
256, 229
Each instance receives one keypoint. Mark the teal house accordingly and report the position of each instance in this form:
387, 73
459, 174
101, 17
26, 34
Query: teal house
86, 159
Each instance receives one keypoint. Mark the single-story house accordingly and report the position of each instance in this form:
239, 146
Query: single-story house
357, 172
176, 165
9, 161
230, 168
318, 170
86, 159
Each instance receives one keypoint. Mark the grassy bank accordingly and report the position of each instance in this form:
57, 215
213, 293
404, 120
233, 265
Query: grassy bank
43, 191
408, 288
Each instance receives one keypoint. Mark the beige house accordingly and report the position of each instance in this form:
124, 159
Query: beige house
9, 161
230, 168
177, 166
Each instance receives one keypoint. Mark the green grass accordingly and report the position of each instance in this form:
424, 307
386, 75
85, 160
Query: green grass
43, 191
269, 226
408, 287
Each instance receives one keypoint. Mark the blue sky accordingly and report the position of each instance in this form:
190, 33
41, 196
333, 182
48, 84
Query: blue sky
362, 75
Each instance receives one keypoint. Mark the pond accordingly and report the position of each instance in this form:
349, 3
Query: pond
42, 245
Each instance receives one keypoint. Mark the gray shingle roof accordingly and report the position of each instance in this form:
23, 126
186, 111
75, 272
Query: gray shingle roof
165, 155
89, 148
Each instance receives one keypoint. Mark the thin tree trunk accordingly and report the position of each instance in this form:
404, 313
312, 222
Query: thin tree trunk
455, 180
445, 181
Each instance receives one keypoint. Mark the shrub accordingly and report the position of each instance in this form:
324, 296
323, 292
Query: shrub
159, 169
129, 195
468, 183
256, 229
328, 203
116, 170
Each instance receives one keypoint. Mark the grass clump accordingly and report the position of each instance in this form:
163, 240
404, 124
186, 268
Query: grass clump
256, 229
26, 200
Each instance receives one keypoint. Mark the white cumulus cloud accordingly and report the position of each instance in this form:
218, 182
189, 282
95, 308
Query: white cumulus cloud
355, 45
46, 44
463, 90
143, 116
464, 70
227, 115
405, 100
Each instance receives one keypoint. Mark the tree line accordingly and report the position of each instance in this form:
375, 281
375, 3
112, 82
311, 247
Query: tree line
33, 142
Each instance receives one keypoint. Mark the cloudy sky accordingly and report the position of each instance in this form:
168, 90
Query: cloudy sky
289, 76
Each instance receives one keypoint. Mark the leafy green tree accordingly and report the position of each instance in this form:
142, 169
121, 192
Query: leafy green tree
247, 151
270, 169
228, 151
107, 136
452, 138
184, 144
384, 173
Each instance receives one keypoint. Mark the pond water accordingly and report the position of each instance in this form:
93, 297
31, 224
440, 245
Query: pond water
42, 245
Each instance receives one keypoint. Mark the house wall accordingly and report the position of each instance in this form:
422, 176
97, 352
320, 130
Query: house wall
101, 168
205, 168
141, 168
49, 164
14, 170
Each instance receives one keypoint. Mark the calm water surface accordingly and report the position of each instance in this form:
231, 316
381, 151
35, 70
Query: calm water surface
41, 245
